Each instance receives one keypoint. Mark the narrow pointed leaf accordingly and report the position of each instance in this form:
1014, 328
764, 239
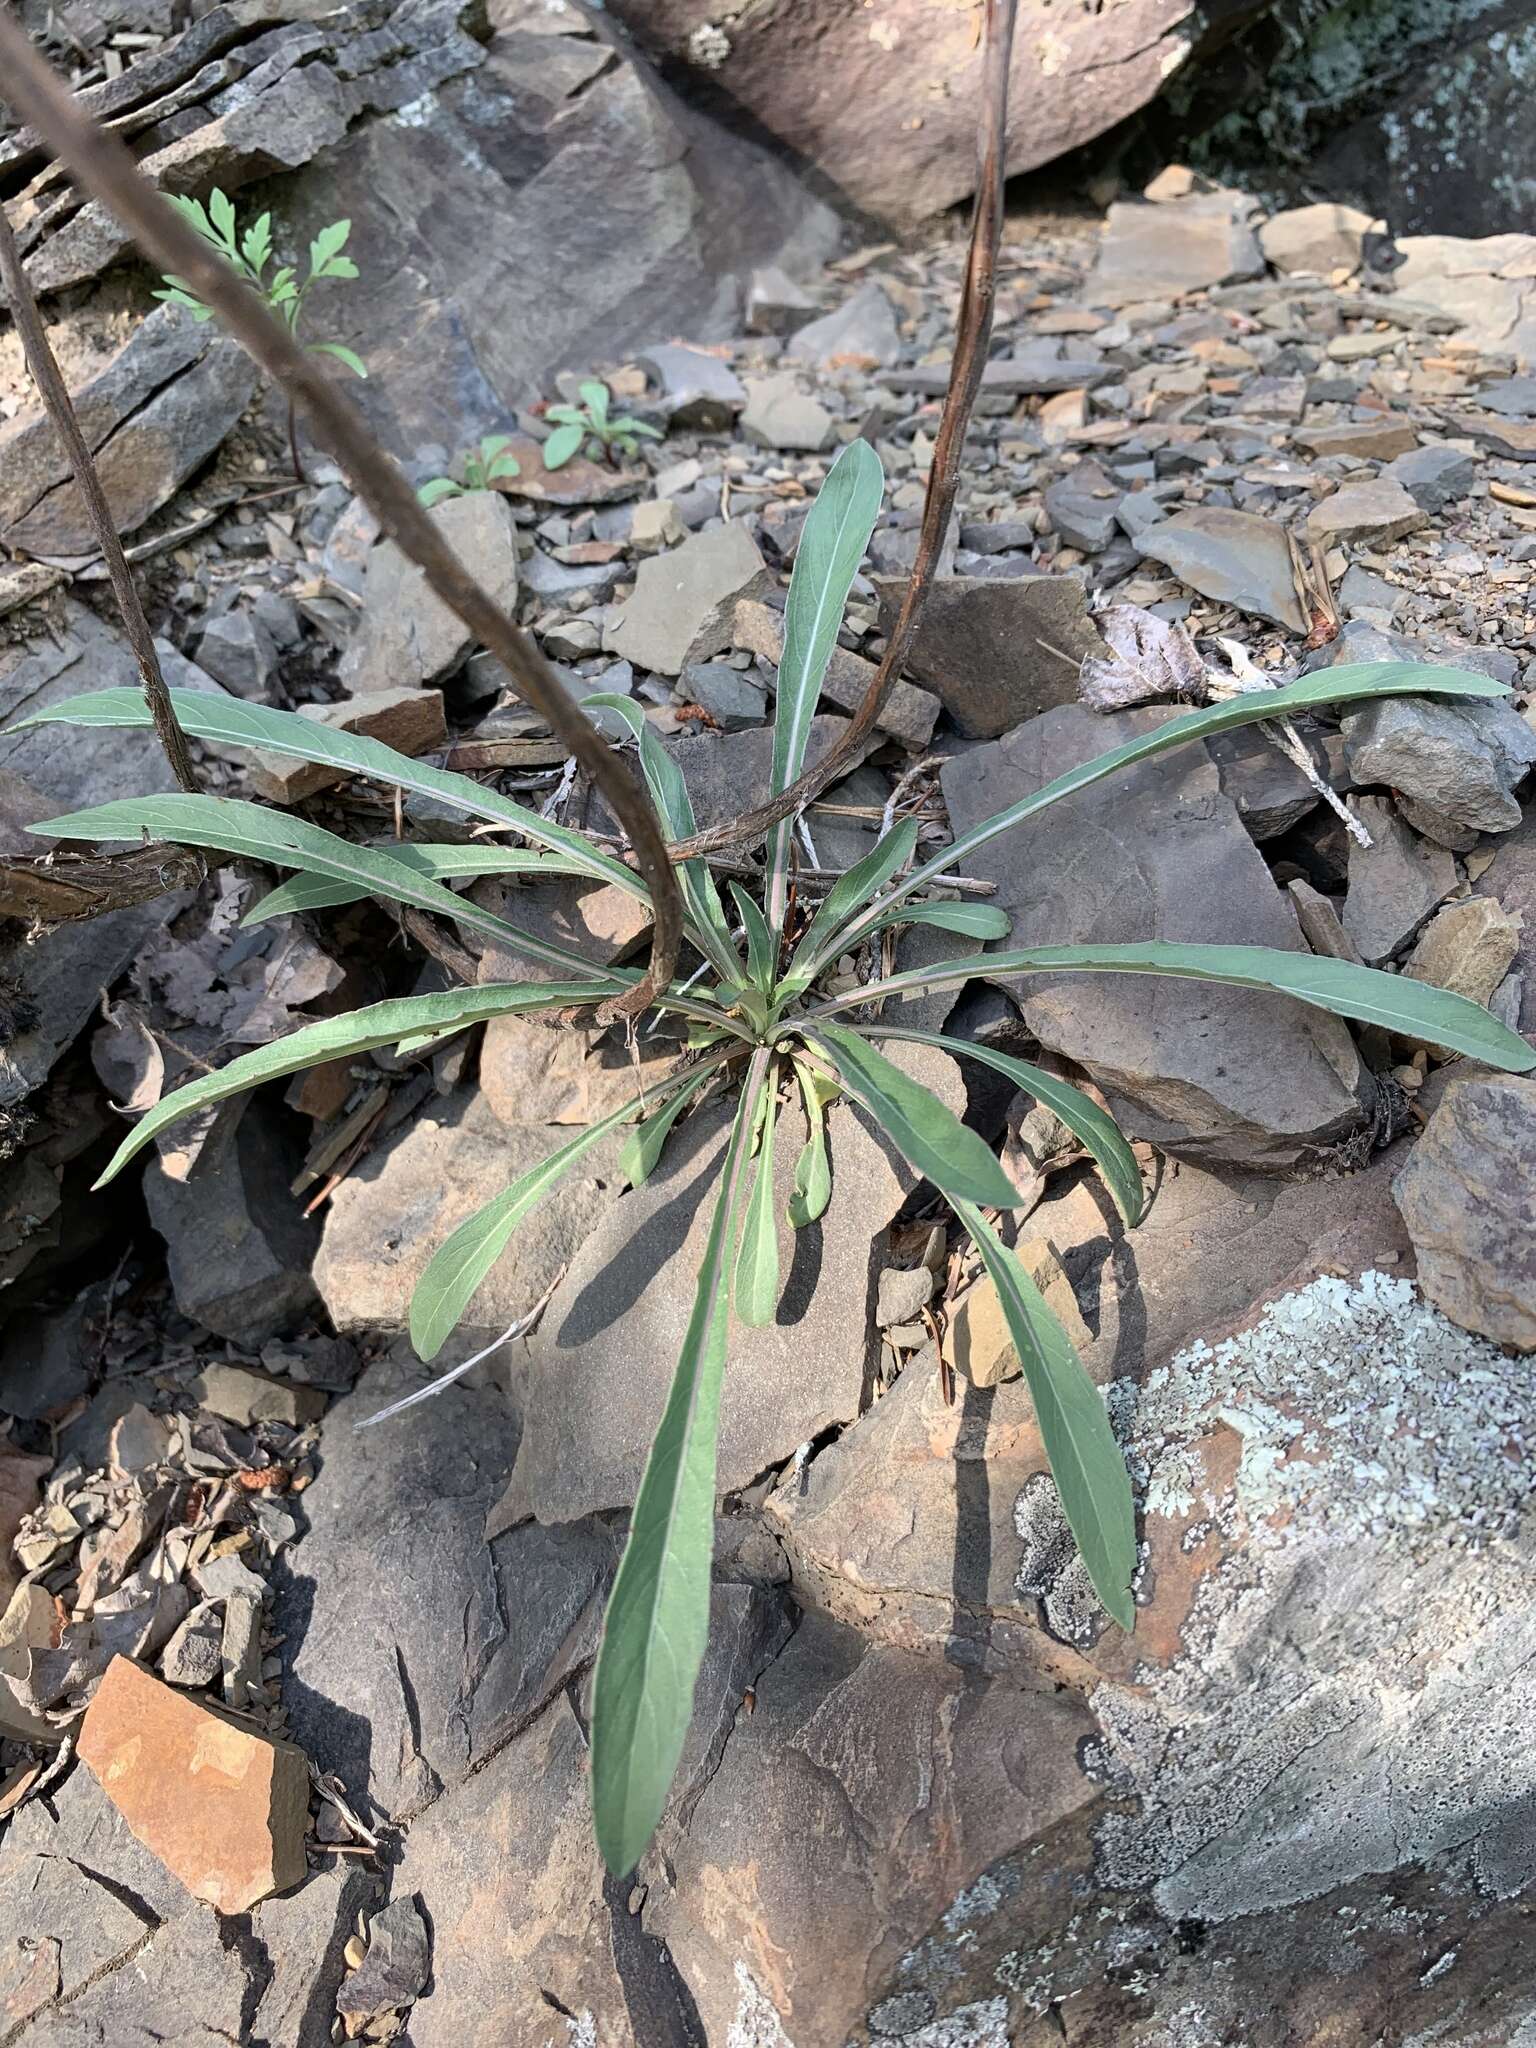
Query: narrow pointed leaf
932, 1137
347, 1037
644, 1146
460, 1264
757, 1262
762, 954
969, 920
1350, 683
1093, 1127
1411, 1008
229, 825
230, 722
1086, 1462
350, 357
847, 896
832, 544
669, 793
437, 863
658, 1614
813, 1170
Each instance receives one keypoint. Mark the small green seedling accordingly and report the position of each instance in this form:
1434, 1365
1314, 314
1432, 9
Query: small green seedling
251, 252
777, 1030
481, 469
590, 421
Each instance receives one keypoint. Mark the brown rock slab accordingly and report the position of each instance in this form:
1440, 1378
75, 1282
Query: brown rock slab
1467, 948
1468, 1197
408, 719
1318, 239
243, 1396
977, 1341
996, 650
1380, 511
1182, 245
1369, 440
224, 1808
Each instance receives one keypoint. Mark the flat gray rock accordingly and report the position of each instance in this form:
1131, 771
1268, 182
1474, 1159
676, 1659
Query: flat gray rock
1434, 477
238, 1246
415, 1647
995, 650
1381, 510
1235, 557
1083, 505
697, 391
859, 333
1183, 245
1468, 1197
1454, 766
779, 414
1318, 239
675, 592
1217, 1075
603, 1356
407, 636
1395, 883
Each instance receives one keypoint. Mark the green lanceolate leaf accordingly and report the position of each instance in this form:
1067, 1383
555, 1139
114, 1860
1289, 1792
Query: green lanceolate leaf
929, 1133
459, 1265
658, 1615
437, 863
347, 1037
1411, 1008
969, 920
439, 487
1093, 1127
228, 825
832, 544
1352, 682
1086, 1462
762, 954
642, 1149
562, 444
229, 722
757, 1261
669, 793
847, 896
813, 1170
350, 357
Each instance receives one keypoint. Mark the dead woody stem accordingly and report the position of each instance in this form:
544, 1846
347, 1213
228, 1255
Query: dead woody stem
973, 333
55, 395
104, 168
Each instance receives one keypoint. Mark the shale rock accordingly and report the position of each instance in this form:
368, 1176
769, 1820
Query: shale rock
1216, 1075
1468, 1197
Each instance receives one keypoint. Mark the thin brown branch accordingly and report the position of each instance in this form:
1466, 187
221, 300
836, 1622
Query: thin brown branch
102, 167
61, 888
973, 332
61, 410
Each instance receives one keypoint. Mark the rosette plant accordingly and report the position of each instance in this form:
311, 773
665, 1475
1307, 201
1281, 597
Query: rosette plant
775, 1020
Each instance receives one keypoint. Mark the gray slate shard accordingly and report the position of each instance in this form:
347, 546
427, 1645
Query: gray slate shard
1216, 1075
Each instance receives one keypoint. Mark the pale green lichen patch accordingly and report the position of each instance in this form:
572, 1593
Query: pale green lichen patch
1359, 1672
